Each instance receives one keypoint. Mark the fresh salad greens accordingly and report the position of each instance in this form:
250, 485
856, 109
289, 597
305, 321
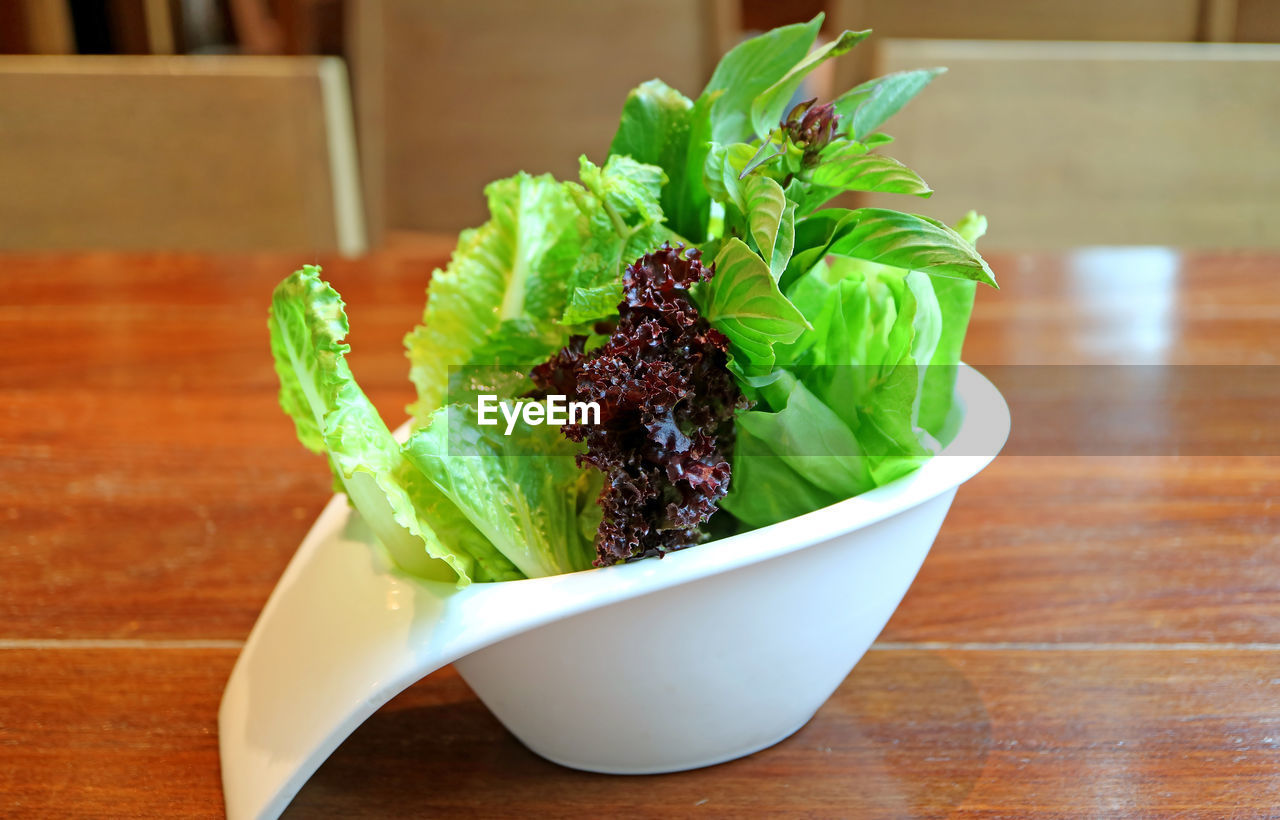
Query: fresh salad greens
755, 354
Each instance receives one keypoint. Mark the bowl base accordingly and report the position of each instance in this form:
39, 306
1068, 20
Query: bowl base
679, 767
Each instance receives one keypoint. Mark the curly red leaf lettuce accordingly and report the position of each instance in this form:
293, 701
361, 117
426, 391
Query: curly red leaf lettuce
667, 402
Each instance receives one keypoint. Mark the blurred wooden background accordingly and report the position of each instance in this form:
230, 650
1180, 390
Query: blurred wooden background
1063, 144
1097, 121
193, 153
453, 95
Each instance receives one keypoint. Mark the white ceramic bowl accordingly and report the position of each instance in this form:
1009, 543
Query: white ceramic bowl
705, 655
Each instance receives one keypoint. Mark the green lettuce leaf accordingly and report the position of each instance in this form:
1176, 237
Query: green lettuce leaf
548, 261
514, 267
659, 127
792, 461
523, 491
766, 489
623, 220
422, 531
955, 303
628, 191
843, 411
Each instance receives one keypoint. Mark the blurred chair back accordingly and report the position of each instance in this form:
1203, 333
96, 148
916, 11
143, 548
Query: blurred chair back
453, 94
1065, 144
189, 153
1126, 20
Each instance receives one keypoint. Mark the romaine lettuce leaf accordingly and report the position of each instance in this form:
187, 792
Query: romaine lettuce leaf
523, 491
662, 127
513, 268
955, 303
548, 263
622, 220
421, 529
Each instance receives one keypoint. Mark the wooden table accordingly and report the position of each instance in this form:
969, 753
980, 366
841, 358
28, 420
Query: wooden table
1091, 636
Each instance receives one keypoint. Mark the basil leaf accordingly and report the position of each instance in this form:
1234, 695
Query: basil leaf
766, 205
870, 172
720, 174
785, 243
910, 242
767, 108
866, 107
748, 70
814, 236
743, 302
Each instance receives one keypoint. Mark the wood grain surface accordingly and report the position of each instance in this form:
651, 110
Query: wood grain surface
1092, 636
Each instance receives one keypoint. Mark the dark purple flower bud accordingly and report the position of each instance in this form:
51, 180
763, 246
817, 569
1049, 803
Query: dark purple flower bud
811, 127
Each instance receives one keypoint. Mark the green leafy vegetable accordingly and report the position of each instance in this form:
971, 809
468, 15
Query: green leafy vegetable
512, 268
766, 488
623, 219
866, 107
523, 491
748, 71
870, 172
308, 324
905, 241
955, 303
722, 173
840, 328
767, 108
844, 413
743, 302
811, 438
659, 126
767, 208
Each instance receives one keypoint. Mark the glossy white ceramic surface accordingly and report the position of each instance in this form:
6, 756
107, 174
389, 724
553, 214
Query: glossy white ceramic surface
717, 651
